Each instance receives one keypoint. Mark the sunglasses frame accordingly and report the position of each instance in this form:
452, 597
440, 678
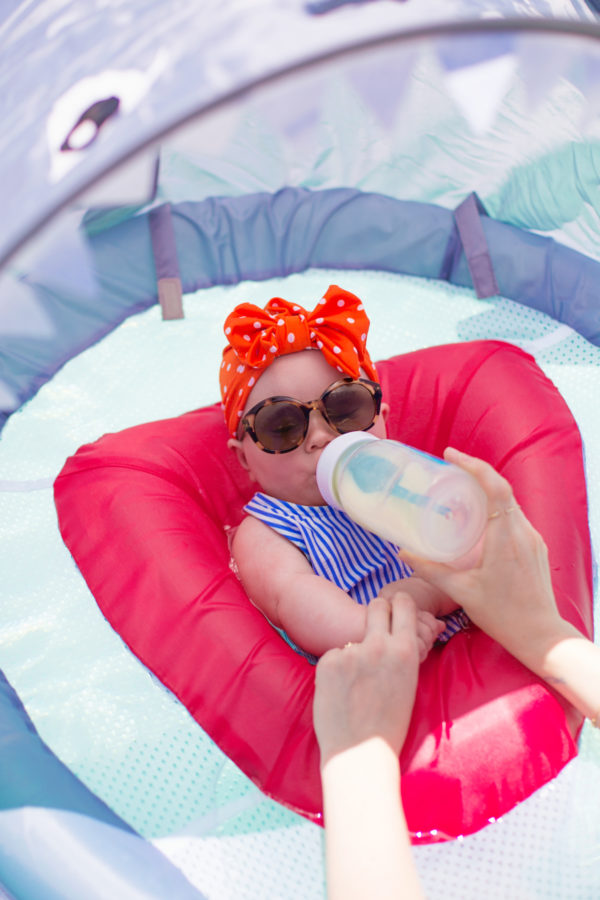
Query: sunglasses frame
247, 423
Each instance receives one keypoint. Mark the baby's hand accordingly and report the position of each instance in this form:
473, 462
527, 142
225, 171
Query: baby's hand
428, 631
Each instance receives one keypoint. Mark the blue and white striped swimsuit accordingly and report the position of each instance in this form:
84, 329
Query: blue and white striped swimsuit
359, 562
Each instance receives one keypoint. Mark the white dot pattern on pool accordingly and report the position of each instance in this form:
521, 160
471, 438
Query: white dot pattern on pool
126, 736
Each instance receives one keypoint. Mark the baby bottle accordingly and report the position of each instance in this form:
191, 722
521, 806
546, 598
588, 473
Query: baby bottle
415, 500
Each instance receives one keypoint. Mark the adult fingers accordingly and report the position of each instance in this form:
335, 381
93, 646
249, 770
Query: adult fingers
507, 524
497, 489
378, 616
403, 613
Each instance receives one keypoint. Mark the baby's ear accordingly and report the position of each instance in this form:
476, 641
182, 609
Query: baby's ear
238, 449
384, 411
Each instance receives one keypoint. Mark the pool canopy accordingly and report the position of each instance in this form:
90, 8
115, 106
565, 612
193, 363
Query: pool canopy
224, 143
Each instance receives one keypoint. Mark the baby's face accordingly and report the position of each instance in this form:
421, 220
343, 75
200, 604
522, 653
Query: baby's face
292, 476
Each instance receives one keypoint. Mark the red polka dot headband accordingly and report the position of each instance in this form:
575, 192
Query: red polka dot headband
337, 327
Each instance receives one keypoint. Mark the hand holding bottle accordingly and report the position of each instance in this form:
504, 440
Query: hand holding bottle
404, 495
508, 593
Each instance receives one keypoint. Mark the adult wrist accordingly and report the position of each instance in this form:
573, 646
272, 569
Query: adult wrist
542, 638
373, 754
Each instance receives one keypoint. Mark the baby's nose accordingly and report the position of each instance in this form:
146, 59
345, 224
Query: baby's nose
320, 433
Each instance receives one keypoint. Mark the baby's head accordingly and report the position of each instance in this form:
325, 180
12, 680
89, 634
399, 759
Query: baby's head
318, 360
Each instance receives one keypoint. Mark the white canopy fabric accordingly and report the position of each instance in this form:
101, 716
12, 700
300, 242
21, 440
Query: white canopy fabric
166, 62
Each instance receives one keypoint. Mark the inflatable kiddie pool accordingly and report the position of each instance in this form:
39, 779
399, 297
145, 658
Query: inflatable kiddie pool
300, 161
146, 514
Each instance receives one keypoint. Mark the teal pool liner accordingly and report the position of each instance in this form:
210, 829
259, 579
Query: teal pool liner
121, 732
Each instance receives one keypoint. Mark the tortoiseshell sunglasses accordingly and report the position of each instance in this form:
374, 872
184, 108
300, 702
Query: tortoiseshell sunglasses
280, 424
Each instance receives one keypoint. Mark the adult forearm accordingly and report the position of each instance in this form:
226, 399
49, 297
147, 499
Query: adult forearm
571, 664
367, 843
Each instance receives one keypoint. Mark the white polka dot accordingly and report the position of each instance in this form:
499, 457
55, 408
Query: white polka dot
251, 382
223, 364
355, 350
264, 357
240, 369
228, 366
301, 317
337, 349
360, 307
240, 392
225, 389
295, 308
312, 334
223, 406
291, 338
320, 345
350, 321
239, 414
320, 320
247, 337
341, 303
280, 322
271, 350
321, 301
257, 325
339, 368
363, 337
228, 331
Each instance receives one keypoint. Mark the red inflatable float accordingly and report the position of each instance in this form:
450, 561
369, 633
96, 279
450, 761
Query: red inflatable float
145, 514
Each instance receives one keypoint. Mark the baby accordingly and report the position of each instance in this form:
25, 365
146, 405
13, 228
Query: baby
291, 382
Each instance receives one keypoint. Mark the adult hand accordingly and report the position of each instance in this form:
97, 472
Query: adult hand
508, 592
367, 689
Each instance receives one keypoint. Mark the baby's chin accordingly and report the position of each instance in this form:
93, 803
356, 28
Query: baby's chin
310, 496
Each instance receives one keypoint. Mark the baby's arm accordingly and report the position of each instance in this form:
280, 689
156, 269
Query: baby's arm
425, 596
315, 613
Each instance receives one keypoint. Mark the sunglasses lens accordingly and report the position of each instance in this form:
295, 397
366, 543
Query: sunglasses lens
280, 426
351, 407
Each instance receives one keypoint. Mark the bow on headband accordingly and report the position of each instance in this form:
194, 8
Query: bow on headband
337, 327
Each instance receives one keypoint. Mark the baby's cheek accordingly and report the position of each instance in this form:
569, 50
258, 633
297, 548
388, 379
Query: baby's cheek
379, 429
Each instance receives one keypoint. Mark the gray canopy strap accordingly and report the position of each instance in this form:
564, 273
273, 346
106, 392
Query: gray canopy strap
164, 249
468, 221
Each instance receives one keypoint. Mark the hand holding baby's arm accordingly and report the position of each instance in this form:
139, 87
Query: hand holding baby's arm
367, 690
362, 708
